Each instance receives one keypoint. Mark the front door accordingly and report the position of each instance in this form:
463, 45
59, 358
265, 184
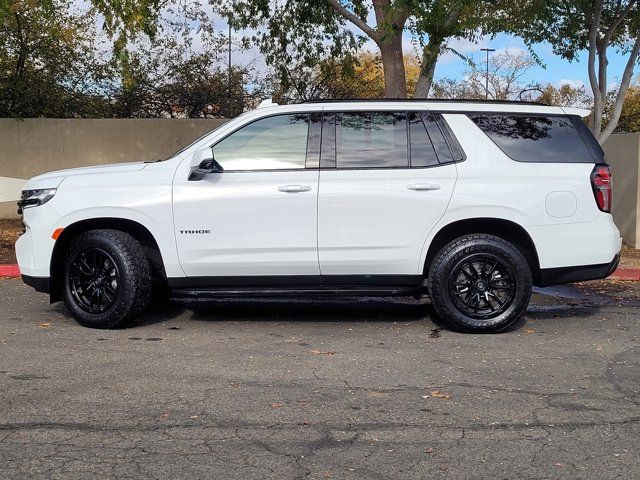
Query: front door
385, 180
259, 216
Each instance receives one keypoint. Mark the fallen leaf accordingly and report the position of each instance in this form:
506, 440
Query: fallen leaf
439, 394
377, 394
435, 333
429, 450
529, 331
45, 325
277, 405
318, 352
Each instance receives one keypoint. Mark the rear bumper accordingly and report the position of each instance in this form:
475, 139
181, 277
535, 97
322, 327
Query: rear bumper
555, 276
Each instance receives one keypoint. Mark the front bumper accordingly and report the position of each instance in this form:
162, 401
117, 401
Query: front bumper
40, 284
555, 276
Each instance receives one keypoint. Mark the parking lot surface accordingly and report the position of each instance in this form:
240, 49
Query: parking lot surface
353, 389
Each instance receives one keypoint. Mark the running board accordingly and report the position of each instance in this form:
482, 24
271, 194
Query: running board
368, 291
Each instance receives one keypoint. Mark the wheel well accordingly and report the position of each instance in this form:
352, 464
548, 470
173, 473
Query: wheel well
506, 229
136, 230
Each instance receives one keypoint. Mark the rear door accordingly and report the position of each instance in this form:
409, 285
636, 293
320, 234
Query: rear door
385, 179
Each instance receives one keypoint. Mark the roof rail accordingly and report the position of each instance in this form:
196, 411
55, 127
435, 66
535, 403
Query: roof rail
434, 100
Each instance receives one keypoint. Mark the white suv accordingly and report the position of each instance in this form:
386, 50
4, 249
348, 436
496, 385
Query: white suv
469, 202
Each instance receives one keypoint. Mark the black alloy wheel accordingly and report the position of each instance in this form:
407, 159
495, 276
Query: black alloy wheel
94, 280
482, 286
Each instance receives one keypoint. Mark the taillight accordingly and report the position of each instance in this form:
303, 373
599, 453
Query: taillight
601, 182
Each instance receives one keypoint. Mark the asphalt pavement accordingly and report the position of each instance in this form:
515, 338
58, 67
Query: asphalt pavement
348, 389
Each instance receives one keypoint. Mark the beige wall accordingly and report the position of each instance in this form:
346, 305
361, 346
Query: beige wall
33, 146
623, 154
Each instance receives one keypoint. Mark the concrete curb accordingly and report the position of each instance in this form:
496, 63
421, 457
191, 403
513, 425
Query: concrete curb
626, 274
10, 271
621, 274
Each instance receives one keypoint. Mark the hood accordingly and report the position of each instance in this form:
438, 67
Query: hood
54, 179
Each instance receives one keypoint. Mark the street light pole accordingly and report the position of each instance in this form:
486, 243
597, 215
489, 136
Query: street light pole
229, 87
486, 88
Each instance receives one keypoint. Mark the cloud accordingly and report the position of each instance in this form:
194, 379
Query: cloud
572, 82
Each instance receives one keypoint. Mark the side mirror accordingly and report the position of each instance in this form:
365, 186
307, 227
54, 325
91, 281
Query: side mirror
202, 164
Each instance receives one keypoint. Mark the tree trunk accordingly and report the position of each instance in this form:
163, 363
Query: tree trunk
430, 56
634, 55
388, 37
395, 85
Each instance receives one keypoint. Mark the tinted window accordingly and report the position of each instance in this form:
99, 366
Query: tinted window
596, 150
528, 138
422, 151
437, 138
371, 140
328, 148
272, 143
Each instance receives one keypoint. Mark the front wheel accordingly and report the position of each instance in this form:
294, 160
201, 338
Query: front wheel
480, 283
107, 278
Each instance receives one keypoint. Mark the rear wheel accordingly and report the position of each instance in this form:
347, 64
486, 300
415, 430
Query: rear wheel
480, 283
107, 279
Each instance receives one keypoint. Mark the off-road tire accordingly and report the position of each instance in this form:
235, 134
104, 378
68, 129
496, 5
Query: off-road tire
443, 289
133, 278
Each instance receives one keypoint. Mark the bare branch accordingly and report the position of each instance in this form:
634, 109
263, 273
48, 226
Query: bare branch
353, 18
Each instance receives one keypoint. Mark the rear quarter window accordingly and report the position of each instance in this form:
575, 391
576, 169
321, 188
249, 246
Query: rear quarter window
539, 138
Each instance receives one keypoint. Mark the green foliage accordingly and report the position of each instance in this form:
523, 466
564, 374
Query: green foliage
565, 23
293, 32
162, 79
48, 65
126, 19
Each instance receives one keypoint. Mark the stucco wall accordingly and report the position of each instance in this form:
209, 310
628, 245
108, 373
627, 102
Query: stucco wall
623, 154
33, 146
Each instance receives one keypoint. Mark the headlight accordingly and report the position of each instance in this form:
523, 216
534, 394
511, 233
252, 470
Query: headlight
33, 198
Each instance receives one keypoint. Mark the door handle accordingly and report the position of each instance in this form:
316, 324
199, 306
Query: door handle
423, 186
294, 188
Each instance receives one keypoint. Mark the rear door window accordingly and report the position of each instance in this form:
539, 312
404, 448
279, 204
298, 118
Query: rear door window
371, 140
535, 138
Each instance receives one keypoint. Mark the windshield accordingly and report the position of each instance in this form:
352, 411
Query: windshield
192, 143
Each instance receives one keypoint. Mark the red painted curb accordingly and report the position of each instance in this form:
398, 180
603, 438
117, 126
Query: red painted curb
626, 274
11, 271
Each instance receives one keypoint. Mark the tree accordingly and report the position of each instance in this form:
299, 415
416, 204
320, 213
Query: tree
598, 26
162, 79
292, 32
48, 65
441, 20
565, 96
506, 72
629, 121
360, 76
